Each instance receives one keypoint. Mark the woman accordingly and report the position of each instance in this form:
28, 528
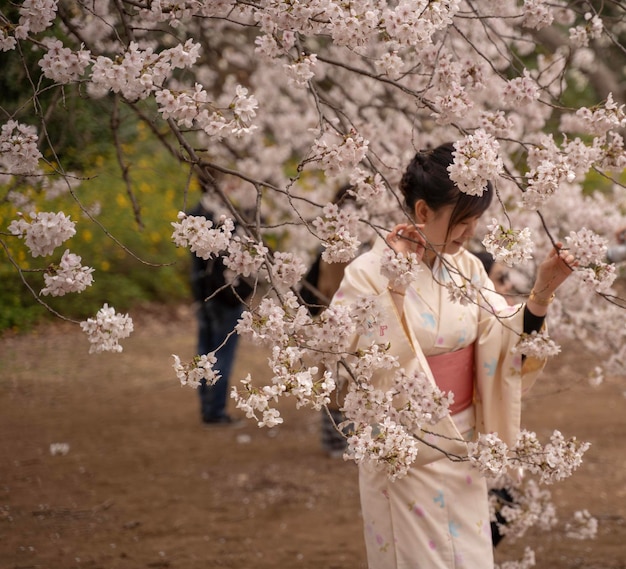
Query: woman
437, 516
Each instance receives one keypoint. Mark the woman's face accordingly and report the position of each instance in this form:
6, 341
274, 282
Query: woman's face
442, 238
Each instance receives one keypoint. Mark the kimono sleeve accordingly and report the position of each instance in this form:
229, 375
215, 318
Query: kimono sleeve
362, 278
502, 377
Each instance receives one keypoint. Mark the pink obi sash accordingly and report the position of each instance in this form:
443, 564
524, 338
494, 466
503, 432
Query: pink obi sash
454, 371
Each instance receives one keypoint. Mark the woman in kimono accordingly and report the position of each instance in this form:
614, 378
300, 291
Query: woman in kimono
437, 516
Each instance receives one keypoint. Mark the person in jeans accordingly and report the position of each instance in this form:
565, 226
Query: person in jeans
219, 307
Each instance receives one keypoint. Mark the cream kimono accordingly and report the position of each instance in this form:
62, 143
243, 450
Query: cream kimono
437, 516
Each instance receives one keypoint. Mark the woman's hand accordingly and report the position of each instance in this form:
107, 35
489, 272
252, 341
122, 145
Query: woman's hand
552, 273
407, 238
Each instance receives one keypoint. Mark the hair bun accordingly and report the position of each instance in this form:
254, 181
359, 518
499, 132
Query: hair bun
423, 159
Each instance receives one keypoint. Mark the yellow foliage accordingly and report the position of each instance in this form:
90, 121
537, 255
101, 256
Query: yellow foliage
121, 200
161, 187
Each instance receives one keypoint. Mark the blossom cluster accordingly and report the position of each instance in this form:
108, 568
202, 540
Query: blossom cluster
199, 234
507, 245
554, 461
400, 268
537, 14
583, 526
598, 278
194, 108
413, 24
551, 462
525, 505
63, 65
489, 454
200, 367
35, 16
106, 330
425, 402
470, 292
287, 270
68, 276
337, 230
44, 233
299, 73
590, 250
599, 120
383, 423
254, 401
581, 35
521, 90
276, 325
387, 445
548, 170
335, 154
245, 256
140, 72
476, 162
536, 345
366, 187
19, 151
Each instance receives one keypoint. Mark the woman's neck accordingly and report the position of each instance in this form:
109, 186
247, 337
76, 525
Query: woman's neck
430, 257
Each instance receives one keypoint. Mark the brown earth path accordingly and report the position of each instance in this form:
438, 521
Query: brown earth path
145, 485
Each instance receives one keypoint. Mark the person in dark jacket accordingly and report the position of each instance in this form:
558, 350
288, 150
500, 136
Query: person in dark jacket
219, 307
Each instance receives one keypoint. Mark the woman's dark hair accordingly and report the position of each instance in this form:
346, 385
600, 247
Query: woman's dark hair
427, 178
486, 259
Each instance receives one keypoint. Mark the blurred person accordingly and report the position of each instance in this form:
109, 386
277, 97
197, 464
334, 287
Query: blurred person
497, 273
500, 495
617, 253
218, 308
324, 279
321, 282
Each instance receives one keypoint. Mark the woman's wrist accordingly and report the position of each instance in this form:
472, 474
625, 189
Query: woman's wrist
542, 299
538, 302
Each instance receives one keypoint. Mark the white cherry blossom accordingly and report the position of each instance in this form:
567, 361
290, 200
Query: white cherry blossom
476, 161
106, 330
68, 276
44, 233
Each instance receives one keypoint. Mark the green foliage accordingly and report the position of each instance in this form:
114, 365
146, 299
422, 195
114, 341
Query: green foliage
77, 126
18, 309
132, 254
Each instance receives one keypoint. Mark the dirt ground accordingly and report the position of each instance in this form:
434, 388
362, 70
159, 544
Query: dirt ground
144, 484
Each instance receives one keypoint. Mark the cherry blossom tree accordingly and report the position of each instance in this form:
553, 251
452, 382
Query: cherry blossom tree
272, 105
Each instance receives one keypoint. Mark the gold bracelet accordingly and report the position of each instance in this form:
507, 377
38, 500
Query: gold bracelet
396, 291
541, 302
